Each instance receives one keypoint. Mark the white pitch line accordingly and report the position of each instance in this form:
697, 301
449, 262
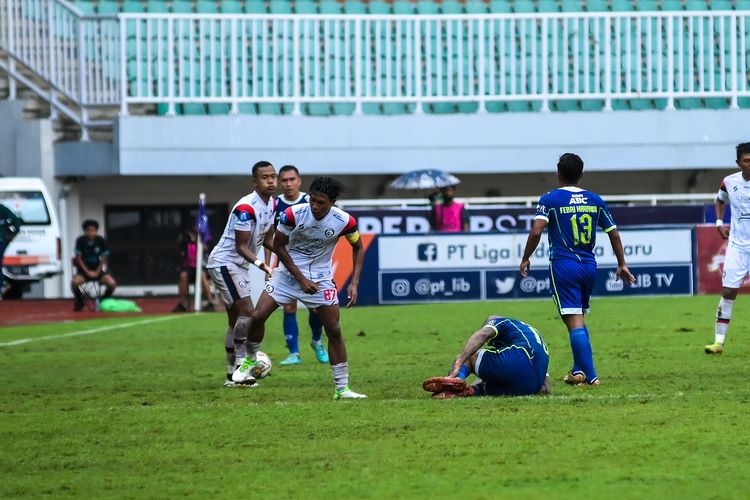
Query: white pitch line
88, 332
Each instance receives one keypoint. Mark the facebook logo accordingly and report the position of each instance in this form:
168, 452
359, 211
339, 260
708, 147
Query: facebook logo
427, 251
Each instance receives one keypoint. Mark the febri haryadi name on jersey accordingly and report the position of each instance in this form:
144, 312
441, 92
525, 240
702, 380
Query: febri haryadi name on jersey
579, 209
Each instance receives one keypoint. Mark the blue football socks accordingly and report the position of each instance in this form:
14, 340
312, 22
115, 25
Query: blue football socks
583, 357
291, 332
464, 372
316, 326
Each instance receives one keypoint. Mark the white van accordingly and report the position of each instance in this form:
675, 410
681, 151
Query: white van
35, 253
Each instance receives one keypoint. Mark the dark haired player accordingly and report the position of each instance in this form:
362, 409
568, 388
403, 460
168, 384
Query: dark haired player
304, 242
735, 190
91, 254
249, 227
508, 355
571, 216
291, 182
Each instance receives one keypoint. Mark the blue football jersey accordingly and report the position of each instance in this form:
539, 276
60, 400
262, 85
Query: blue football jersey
282, 205
573, 215
513, 332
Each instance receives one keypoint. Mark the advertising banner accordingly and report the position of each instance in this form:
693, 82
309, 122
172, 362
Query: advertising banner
513, 219
711, 248
461, 267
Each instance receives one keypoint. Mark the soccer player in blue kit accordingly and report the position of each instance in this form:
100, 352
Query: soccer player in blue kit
508, 355
571, 216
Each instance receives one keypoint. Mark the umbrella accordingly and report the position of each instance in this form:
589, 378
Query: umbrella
425, 179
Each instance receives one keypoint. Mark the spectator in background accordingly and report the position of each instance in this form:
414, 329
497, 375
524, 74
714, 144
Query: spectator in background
187, 250
446, 214
91, 263
10, 224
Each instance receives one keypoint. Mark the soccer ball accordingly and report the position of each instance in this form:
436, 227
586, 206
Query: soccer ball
263, 366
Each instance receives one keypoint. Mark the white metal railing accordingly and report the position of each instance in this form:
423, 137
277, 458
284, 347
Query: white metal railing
531, 201
418, 59
350, 61
77, 56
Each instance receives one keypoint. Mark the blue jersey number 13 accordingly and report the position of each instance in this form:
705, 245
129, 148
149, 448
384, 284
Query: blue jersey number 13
582, 229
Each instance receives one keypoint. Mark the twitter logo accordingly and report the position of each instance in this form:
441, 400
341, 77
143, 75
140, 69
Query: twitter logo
504, 286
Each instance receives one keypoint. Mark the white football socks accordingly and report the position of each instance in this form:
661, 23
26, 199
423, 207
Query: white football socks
723, 317
341, 375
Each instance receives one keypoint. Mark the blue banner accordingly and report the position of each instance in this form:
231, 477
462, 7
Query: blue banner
440, 286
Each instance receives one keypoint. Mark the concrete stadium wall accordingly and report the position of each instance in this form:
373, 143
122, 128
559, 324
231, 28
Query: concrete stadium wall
462, 144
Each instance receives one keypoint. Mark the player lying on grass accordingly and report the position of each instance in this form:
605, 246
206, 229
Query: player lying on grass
508, 355
304, 242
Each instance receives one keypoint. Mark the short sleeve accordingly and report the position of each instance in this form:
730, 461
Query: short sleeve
244, 218
103, 246
723, 194
286, 222
606, 221
79, 245
542, 208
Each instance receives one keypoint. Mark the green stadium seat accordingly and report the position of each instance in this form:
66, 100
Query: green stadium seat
577, 5
702, 4
279, 7
330, 6
594, 6
495, 107
427, 7
715, 4
440, 108
157, 7
219, 109
273, 109
255, 7
468, 107
641, 104
452, 7
476, 7
182, 7
373, 7
403, 7
523, 6
549, 6
206, 7
499, 6
248, 108
355, 7
592, 105
371, 108
622, 5
672, 5
306, 7
646, 5
133, 6
395, 108
108, 7
231, 7
317, 109
566, 105
343, 108
85, 6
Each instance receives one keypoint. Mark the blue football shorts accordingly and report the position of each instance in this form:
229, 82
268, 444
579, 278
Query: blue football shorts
572, 284
512, 371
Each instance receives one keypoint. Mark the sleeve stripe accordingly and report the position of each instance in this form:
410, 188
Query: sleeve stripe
542, 217
350, 227
290, 220
610, 228
244, 208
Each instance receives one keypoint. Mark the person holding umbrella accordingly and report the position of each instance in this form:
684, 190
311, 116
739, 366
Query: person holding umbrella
446, 214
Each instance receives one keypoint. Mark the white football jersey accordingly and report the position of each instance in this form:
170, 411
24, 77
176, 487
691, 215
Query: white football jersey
249, 214
735, 191
312, 241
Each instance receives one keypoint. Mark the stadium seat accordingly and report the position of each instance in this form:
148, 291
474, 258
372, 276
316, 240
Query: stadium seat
403, 7
548, 6
278, 7
523, 6
317, 109
182, 7
646, 5
343, 108
427, 7
329, 6
672, 5
355, 7
85, 6
622, 5
477, 7
157, 7
206, 7
108, 7
452, 7
577, 5
499, 6
255, 7
715, 4
231, 7
373, 7
305, 7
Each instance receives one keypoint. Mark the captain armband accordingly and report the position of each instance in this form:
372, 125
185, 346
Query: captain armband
353, 237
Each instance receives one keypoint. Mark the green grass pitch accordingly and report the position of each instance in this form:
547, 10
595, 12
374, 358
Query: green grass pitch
140, 411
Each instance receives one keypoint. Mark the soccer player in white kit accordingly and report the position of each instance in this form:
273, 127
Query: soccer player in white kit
735, 190
305, 238
249, 227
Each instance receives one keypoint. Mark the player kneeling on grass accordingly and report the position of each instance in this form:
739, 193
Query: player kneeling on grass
305, 238
508, 355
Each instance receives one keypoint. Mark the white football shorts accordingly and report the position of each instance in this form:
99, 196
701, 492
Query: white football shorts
283, 289
231, 281
736, 266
